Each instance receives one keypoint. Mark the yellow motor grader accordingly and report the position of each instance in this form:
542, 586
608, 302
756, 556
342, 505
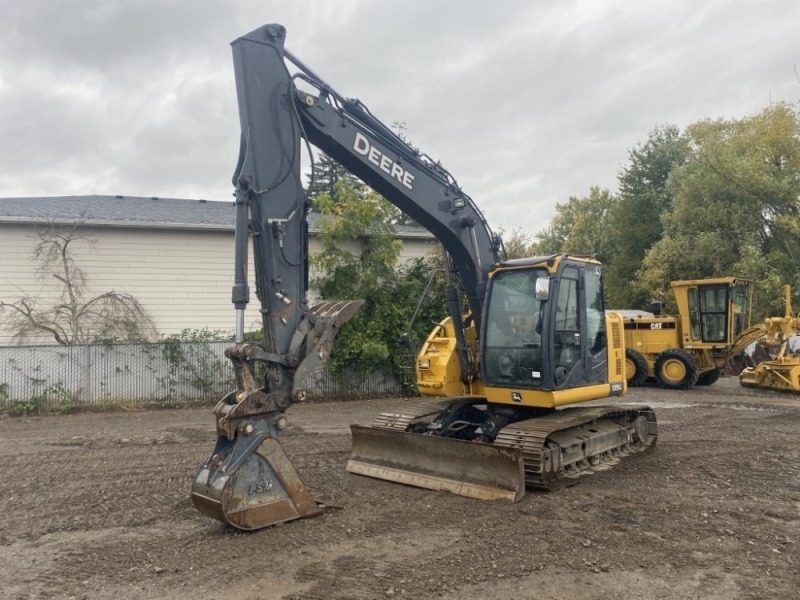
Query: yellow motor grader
689, 349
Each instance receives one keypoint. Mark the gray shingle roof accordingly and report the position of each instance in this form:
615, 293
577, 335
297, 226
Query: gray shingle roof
133, 211
126, 210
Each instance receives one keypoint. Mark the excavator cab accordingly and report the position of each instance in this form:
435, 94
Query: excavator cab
544, 329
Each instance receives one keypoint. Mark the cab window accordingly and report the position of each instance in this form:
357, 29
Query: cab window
596, 316
567, 325
694, 313
713, 304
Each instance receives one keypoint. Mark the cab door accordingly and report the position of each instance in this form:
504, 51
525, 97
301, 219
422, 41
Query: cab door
595, 349
579, 336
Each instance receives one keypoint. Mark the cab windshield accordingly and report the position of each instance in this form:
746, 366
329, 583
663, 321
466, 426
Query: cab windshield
513, 339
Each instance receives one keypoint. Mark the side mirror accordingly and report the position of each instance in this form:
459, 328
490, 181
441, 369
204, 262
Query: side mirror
542, 288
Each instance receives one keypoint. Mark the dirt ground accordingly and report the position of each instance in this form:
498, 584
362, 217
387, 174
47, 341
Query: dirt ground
97, 506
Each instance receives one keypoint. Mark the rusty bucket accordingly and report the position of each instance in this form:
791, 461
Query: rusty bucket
251, 484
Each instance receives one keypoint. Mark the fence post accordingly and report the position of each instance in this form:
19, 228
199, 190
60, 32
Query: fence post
86, 385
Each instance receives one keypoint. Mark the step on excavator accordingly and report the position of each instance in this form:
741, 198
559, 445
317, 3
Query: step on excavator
525, 339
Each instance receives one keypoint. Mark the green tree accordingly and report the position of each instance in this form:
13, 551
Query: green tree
735, 207
518, 244
636, 219
580, 226
326, 173
354, 213
359, 260
382, 334
359, 252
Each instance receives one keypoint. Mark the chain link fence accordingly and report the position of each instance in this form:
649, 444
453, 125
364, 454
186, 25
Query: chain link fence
170, 372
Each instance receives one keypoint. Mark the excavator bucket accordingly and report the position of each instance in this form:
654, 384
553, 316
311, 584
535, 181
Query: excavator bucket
248, 481
250, 484
470, 469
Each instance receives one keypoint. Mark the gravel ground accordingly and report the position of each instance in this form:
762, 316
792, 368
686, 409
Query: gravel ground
97, 506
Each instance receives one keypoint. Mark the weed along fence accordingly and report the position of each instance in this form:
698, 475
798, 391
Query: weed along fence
37, 378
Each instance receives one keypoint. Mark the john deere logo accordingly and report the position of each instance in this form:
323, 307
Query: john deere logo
516, 396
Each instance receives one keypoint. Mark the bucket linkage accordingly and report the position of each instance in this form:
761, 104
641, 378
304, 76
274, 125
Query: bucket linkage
248, 480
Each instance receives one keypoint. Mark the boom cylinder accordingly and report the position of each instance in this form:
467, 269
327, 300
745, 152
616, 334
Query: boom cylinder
240, 294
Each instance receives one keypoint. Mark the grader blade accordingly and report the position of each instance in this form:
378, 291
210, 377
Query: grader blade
780, 375
250, 484
470, 469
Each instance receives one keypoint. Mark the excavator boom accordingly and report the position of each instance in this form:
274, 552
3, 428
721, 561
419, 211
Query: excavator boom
248, 481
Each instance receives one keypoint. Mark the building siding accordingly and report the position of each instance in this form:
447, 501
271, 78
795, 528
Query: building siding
182, 277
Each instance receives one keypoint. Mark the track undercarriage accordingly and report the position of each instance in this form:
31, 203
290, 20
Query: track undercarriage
480, 450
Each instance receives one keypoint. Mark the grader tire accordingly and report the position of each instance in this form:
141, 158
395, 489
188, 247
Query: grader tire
676, 370
635, 368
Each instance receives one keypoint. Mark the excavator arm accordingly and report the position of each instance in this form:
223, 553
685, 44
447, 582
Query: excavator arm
277, 116
248, 481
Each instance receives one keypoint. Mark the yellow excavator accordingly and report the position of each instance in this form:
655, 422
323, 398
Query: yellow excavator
782, 371
525, 339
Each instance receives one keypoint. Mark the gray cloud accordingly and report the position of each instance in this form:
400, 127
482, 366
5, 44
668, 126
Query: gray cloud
527, 103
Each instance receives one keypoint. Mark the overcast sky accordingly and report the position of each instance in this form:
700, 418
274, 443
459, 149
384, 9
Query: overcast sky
526, 102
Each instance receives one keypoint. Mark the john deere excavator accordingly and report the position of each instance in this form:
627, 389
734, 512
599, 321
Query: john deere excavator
523, 340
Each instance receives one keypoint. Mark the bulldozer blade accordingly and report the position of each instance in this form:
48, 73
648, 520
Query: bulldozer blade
251, 484
470, 469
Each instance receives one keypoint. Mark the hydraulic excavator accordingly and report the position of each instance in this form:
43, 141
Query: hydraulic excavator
524, 339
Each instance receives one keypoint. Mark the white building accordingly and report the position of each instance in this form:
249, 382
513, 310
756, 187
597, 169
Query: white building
175, 256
